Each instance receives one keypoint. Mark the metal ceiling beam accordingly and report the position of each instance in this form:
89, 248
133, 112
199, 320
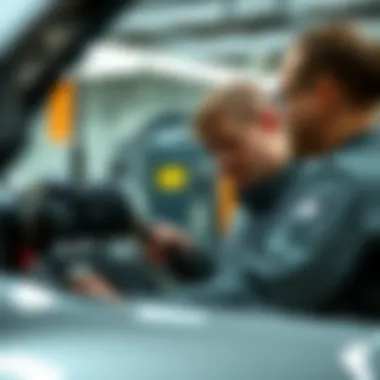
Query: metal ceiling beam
236, 25
253, 23
160, 3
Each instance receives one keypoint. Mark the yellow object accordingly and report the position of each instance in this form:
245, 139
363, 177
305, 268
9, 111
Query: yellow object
172, 178
227, 201
61, 112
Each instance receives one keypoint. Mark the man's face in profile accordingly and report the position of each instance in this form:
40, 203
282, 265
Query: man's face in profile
304, 110
241, 150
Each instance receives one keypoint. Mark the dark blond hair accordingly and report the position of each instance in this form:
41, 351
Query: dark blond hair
238, 101
348, 55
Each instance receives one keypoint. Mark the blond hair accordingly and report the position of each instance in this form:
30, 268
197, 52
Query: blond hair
238, 101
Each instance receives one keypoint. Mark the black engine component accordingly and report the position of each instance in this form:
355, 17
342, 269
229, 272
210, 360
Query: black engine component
189, 265
61, 211
69, 211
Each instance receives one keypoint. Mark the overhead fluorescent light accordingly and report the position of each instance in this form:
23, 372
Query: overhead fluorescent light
108, 60
112, 60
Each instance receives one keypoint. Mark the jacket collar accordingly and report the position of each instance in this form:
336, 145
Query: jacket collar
262, 197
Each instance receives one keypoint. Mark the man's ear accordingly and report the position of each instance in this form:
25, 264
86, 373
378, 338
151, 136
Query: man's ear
269, 118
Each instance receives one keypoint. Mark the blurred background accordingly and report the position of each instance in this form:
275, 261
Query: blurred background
123, 112
161, 57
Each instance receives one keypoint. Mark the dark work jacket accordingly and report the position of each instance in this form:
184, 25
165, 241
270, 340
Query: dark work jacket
308, 240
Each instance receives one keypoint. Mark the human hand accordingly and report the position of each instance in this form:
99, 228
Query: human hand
164, 237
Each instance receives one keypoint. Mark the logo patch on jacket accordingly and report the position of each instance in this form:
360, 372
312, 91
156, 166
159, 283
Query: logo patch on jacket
308, 209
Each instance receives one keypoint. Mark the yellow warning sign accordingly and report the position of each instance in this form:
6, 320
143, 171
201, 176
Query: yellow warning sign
172, 178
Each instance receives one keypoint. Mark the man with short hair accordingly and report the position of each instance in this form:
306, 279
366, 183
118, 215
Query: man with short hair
313, 246
243, 133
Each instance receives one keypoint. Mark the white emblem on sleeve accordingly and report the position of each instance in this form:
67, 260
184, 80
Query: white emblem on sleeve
308, 209
360, 360
356, 359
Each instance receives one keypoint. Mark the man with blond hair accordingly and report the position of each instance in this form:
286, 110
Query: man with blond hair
243, 133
